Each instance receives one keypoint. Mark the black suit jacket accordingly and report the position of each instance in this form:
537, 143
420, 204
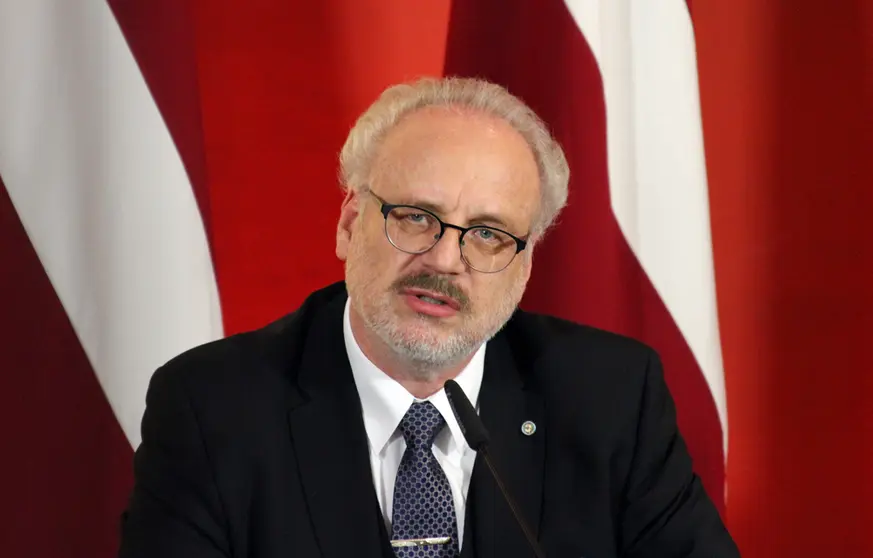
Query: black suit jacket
254, 446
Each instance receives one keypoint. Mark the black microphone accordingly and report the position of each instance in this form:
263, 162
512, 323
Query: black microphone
477, 438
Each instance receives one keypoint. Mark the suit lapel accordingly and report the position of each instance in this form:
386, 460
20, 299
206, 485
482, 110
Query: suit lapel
504, 406
330, 444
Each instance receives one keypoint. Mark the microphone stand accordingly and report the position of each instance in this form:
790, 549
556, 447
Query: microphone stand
538, 552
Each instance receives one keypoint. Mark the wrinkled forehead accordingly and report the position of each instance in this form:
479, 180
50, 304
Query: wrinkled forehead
460, 163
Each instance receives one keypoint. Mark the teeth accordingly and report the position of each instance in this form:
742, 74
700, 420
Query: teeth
431, 300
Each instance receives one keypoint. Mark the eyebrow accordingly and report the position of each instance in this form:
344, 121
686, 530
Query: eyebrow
478, 219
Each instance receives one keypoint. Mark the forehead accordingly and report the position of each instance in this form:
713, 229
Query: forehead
461, 162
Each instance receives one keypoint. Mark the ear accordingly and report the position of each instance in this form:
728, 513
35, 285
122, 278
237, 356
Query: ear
526, 257
527, 263
348, 217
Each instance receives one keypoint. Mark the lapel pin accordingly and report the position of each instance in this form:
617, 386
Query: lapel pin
528, 428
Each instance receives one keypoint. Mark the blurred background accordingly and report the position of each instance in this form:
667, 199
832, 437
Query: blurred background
169, 171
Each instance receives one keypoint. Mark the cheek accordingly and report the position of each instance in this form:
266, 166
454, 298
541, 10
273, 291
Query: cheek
487, 289
501, 286
376, 257
366, 241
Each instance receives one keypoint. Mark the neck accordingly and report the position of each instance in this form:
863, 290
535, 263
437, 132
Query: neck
420, 383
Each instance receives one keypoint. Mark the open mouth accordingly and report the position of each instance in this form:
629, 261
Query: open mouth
431, 302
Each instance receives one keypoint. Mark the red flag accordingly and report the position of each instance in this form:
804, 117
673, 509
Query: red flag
113, 274
616, 80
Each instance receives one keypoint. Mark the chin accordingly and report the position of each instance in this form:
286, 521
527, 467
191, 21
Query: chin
426, 359
424, 343
421, 330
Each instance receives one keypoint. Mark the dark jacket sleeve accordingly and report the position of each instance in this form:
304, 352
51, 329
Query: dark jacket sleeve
667, 513
175, 509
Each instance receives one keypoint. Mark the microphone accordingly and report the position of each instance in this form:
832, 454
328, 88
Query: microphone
477, 438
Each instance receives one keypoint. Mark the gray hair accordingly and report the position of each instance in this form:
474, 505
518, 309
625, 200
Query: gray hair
477, 94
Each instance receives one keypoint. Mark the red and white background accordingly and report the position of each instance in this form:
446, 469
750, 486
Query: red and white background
168, 176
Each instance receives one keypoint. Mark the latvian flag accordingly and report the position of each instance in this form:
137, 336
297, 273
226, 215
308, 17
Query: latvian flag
119, 239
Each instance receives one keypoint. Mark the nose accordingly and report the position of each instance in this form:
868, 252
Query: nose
445, 256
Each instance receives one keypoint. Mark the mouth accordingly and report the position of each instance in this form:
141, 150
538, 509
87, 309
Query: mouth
431, 303
433, 297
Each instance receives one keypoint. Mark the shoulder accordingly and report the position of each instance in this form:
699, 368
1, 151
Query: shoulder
583, 372
592, 382
538, 339
263, 359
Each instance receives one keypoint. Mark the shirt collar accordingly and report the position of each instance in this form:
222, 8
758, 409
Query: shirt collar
384, 401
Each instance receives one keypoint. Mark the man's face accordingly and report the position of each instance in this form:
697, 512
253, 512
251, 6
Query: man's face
469, 169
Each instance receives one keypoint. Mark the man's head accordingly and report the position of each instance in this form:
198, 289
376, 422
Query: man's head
463, 153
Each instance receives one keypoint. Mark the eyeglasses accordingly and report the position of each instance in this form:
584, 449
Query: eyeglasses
415, 230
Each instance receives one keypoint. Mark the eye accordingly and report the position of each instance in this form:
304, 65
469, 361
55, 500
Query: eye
487, 235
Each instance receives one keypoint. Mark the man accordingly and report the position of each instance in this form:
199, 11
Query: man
328, 433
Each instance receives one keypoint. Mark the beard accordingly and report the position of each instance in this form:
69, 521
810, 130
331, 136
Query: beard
424, 343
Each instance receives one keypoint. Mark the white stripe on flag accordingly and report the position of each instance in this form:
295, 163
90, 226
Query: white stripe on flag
657, 171
102, 193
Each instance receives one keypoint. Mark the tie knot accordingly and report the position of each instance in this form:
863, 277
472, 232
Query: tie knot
421, 424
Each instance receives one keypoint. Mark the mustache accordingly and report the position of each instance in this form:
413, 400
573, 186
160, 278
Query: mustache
436, 283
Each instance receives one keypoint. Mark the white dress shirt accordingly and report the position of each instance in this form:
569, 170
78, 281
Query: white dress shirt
384, 402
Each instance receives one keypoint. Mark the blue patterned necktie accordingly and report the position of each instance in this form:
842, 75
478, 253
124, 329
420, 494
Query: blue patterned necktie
423, 504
